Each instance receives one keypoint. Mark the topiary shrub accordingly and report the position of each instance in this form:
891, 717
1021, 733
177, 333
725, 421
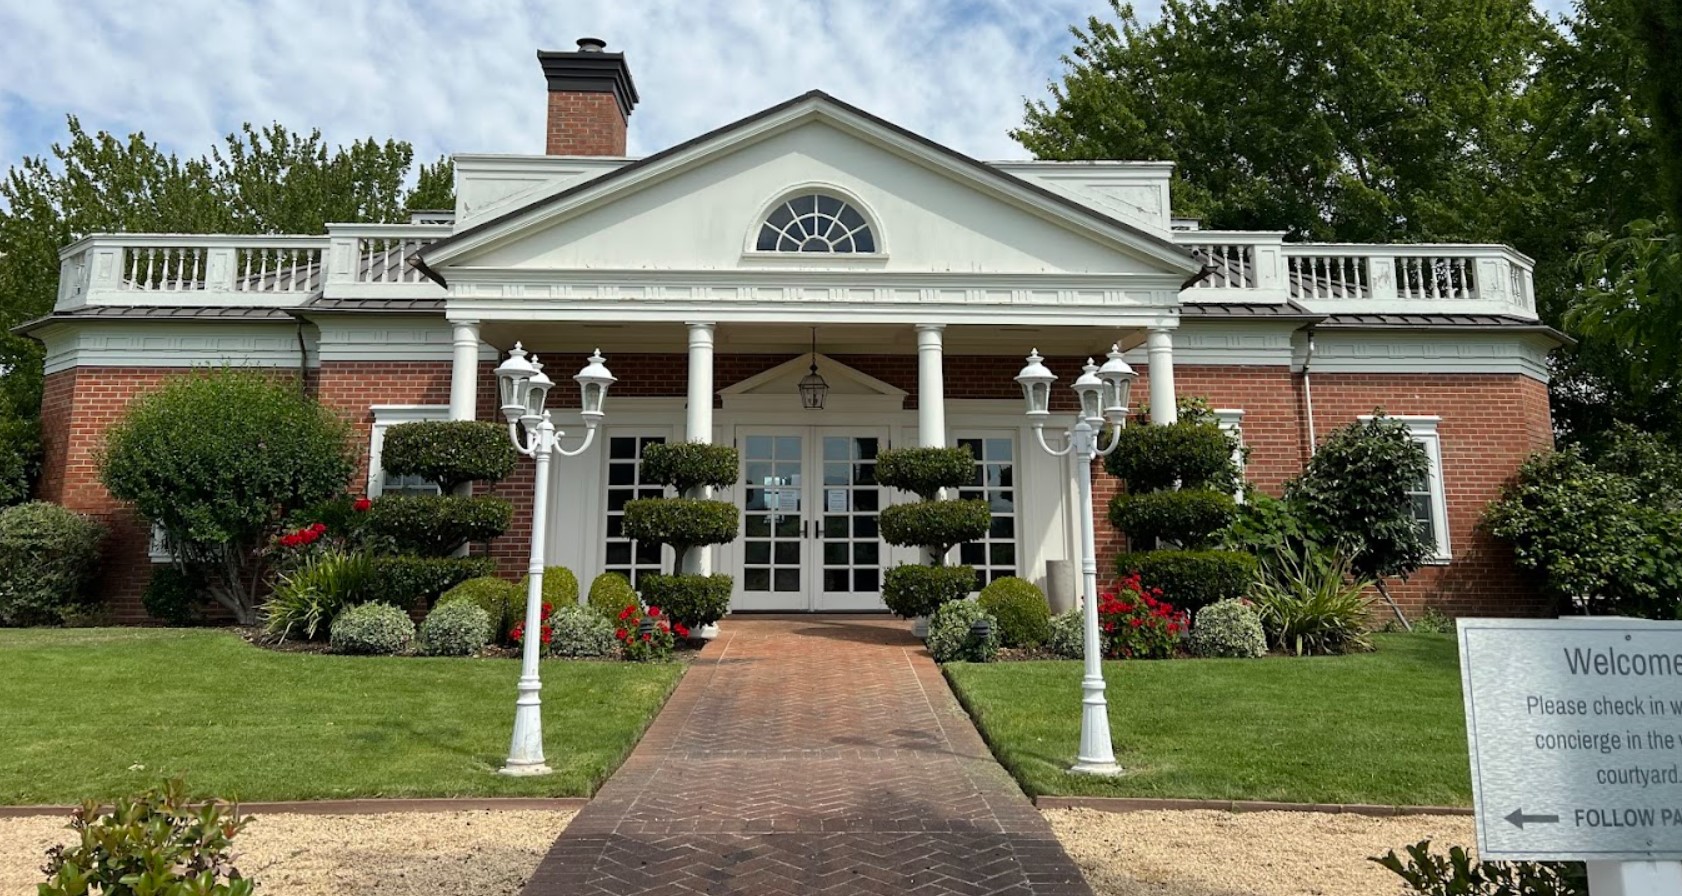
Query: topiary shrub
409, 581
688, 466
497, 597
1068, 635
157, 842
457, 629
693, 600
581, 632
220, 490
1228, 628
173, 596
560, 587
925, 471
448, 453
1193, 579
920, 590
1192, 453
951, 637
936, 525
311, 595
1190, 518
436, 525
49, 559
683, 523
610, 593
1022, 612
372, 629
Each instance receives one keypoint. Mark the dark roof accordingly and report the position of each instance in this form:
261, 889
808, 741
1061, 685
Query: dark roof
1286, 311
157, 313
1444, 321
322, 304
628, 168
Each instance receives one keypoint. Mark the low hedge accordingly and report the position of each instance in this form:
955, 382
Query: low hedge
409, 581
373, 629
925, 471
1192, 518
497, 597
454, 629
49, 559
690, 465
174, 597
952, 636
436, 525
611, 593
1023, 615
1191, 580
937, 525
1193, 454
682, 523
920, 590
448, 452
1228, 628
560, 586
693, 600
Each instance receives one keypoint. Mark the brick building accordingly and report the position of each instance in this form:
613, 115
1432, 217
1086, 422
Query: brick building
718, 273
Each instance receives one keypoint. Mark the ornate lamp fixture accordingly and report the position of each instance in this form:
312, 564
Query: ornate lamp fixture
813, 388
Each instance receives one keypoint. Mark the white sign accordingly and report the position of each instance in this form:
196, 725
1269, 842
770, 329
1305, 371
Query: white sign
1575, 729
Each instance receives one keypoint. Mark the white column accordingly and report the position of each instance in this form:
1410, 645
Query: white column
698, 423
931, 388
1159, 349
464, 371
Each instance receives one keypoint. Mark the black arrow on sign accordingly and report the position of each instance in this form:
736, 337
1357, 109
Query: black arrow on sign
1519, 818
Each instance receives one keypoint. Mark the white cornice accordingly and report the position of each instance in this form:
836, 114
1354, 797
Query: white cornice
187, 343
1412, 351
380, 337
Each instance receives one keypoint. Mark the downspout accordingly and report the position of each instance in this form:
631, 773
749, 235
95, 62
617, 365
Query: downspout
1308, 389
303, 361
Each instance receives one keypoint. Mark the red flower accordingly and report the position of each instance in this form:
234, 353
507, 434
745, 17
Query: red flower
362, 505
625, 613
318, 528
620, 634
548, 608
647, 637
1135, 622
518, 632
653, 611
547, 634
681, 629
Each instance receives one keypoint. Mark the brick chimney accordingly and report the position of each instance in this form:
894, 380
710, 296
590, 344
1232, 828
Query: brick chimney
590, 97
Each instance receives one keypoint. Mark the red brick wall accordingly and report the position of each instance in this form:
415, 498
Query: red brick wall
585, 124
352, 387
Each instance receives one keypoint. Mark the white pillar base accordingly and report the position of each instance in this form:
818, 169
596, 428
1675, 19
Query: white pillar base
706, 632
524, 771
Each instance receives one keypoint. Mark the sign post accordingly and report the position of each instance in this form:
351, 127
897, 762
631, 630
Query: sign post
1575, 730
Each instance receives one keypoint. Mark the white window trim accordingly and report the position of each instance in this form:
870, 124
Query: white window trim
750, 246
157, 547
1423, 429
1231, 422
386, 416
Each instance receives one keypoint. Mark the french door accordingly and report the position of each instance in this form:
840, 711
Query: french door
809, 533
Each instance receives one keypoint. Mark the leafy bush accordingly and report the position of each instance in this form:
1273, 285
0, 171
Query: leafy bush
1192, 579
951, 636
925, 471
652, 645
1313, 603
20, 458
502, 603
309, 597
611, 593
408, 581
448, 452
436, 525
560, 586
218, 459
1068, 635
920, 590
157, 843
1194, 453
173, 596
1022, 613
1191, 518
682, 523
690, 465
49, 559
1228, 628
457, 629
694, 600
375, 629
1458, 875
936, 525
1265, 525
581, 631
1355, 489
1135, 623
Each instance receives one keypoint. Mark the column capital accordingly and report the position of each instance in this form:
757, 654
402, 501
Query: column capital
936, 328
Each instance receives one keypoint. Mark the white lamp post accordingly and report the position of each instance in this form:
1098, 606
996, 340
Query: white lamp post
1103, 395
524, 386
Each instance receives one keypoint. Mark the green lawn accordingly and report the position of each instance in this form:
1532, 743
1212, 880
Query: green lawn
1384, 727
100, 712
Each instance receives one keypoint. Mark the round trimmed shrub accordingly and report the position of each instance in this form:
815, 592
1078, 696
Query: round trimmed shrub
373, 629
1068, 635
690, 465
1193, 453
920, 590
1191, 518
448, 452
457, 629
493, 595
49, 559
435, 525
937, 525
951, 639
409, 581
611, 593
173, 597
560, 586
693, 600
581, 631
1193, 579
1022, 612
1228, 628
682, 523
925, 471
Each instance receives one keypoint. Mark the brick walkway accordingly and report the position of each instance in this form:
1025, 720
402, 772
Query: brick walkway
814, 754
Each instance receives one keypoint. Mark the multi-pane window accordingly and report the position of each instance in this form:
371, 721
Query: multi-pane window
386, 416
993, 556
1427, 497
627, 556
815, 223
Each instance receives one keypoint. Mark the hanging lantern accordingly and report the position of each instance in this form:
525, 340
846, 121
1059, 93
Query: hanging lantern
813, 388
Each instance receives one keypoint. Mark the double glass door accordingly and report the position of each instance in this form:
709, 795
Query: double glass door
809, 530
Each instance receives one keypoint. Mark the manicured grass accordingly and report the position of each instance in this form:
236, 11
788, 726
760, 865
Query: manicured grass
1384, 727
94, 713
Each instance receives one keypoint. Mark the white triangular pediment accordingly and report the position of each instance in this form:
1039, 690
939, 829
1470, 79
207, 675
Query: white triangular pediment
850, 389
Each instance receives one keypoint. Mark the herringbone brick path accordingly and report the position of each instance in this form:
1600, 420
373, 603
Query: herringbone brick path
808, 755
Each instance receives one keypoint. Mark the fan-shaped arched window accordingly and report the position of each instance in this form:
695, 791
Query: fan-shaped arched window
815, 223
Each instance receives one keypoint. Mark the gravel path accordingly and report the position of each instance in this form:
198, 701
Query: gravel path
1243, 854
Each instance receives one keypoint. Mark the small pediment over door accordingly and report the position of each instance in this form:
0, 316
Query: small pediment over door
778, 389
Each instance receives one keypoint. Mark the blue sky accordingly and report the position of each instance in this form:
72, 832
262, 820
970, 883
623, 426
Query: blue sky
460, 75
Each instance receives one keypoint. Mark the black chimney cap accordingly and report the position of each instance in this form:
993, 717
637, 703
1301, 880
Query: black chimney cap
589, 69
